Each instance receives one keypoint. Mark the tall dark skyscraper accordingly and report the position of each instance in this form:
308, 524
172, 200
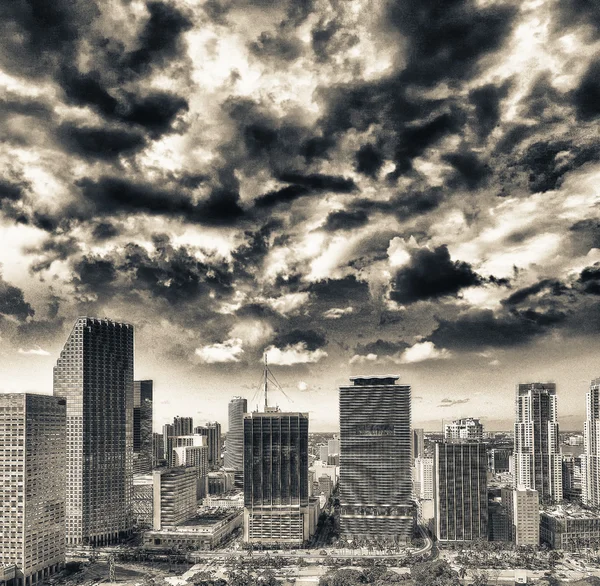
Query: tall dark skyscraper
460, 491
212, 431
418, 443
538, 462
168, 434
33, 485
590, 469
183, 426
234, 442
95, 374
276, 478
376, 459
142, 426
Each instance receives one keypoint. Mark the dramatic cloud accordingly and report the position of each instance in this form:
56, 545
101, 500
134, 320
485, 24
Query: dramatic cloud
229, 351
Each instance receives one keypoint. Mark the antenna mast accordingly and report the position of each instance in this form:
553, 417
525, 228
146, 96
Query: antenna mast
266, 382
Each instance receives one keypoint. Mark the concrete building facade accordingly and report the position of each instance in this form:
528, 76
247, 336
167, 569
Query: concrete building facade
33, 485
467, 428
142, 426
590, 468
174, 496
234, 441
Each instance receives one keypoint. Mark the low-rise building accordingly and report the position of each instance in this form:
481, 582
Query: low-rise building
570, 528
205, 531
143, 500
231, 500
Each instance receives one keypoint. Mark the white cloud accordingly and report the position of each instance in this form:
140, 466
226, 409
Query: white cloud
337, 312
37, 351
294, 354
229, 351
288, 303
358, 359
251, 332
302, 386
420, 352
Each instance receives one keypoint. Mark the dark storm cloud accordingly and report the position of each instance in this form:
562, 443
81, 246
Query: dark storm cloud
381, 348
586, 98
589, 278
55, 248
105, 231
312, 339
10, 191
345, 220
584, 13
304, 185
348, 290
99, 143
160, 39
321, 37
168, 273
470, 171
551, 286
12, 302
486, 101
280, 47
369, 160
585, 235
432, 274
446, 42
110, 195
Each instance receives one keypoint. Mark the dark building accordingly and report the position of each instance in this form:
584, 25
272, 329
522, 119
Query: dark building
168, 434
499, 460
376, 459
142, 426
499, 523
234, 442
418, 443
95, 374
571, 477
212, 431
158, 450
183, 426
276, 503
460, 492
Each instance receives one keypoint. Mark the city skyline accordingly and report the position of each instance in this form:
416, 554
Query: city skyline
355, 187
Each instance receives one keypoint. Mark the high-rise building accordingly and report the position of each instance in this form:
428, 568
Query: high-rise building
32, 485
572, 472
174, 496
323, 453
523, 506
537, 454
234, 442
499, 460
158, 449
423, 478
192, 450
460, 491
212, 431
276, 501
142, 426
333, 446
376, 459
95, 374
418, 443
467, 428
590, 469
168, 434
182, 426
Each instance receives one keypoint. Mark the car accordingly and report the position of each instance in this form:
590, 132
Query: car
322, 552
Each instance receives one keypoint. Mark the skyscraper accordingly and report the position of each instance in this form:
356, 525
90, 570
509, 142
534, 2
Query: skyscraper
142, 426
32, 484
537, 454
468, 428
590, 469
376, 459
276, 503
95, 374
418, 443
523, 509
460, 491
182, 426
234, 442
168, 434
423, 478
212, 431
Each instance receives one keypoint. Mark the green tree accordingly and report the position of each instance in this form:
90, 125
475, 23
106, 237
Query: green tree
436, 573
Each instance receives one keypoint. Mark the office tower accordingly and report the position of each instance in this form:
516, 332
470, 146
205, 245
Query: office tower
183, 426
537, 454
212, 431
423, 478
460, 491
590, 469
323, 453
333, 445
522, 505
95, 374
276, 503
174, 496
499, 460
234, 442
168, 434
142, 426
32, 485
158, 448
375, 459
499, 523
325, 485
418, 443
572, 469
468, 429
192, 450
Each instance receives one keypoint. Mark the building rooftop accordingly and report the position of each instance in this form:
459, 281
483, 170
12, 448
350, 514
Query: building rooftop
570, 512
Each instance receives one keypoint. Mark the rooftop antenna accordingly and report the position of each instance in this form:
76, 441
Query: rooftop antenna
266, 383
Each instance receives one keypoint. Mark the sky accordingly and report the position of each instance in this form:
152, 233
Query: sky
352, 186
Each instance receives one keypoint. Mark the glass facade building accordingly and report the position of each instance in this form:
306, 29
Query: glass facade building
276, 495
376, 459
460, 492
234, 441
142, 426
95, 374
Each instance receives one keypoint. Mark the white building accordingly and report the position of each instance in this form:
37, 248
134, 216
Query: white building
423, 478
